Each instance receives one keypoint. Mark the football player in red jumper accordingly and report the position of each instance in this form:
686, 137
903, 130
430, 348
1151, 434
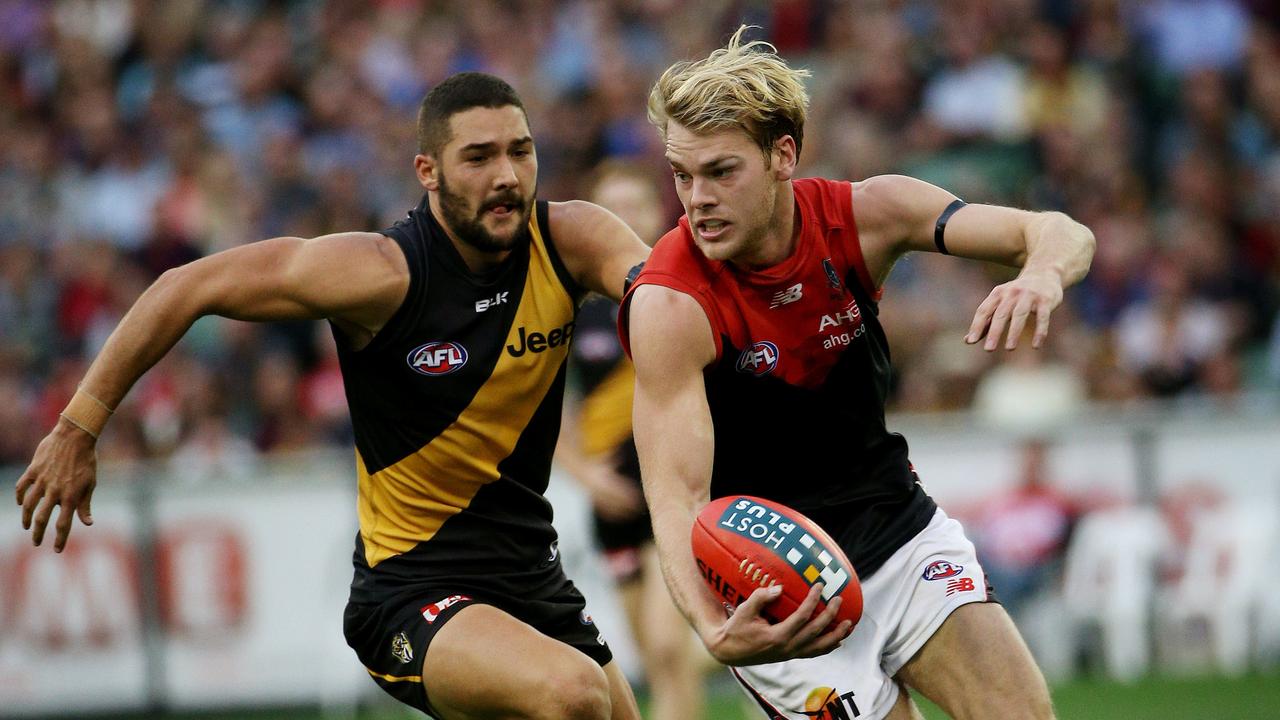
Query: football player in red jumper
762, 369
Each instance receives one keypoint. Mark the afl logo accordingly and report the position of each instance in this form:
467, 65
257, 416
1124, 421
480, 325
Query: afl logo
939, 569
437, 358
759, 359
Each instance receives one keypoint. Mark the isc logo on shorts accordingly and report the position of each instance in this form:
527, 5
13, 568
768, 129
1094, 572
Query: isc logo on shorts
432, 612
437, 358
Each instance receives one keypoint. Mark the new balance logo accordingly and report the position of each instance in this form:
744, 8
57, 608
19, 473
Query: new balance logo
784, 297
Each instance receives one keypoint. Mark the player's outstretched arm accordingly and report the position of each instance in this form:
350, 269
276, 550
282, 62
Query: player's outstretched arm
357, 279
598, 248
898, 214
671, 343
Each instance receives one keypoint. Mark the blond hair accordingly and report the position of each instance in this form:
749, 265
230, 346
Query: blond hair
740, 85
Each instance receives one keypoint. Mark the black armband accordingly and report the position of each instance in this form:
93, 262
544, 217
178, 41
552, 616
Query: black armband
632, 274
940, 227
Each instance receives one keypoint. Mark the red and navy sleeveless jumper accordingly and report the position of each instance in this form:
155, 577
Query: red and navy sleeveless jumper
797, 390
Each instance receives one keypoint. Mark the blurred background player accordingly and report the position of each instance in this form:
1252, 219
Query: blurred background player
597, 449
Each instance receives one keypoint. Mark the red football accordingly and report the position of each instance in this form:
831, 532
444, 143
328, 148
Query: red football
742, 542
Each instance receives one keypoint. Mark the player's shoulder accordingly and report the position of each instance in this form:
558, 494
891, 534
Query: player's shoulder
373, 247
890, 193
678, 318
360, 246
582, 228
575, 218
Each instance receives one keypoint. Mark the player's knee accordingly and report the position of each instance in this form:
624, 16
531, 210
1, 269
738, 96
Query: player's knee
578, 691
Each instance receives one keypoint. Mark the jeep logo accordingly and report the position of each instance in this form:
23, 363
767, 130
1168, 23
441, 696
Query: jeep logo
536, 342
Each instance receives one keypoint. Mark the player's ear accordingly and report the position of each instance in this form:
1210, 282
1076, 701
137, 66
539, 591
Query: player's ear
783, 156
428, 171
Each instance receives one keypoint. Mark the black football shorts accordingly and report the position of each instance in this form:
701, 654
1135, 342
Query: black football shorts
391, 638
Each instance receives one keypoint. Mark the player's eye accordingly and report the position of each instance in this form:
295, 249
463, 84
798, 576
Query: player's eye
681, 177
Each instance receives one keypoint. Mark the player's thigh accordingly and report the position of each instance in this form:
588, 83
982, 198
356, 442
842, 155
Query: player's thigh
977, 666
485, 663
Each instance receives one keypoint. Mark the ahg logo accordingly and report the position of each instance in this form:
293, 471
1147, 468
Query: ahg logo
437, 358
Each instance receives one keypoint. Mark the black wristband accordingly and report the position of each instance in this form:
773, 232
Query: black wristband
941, 226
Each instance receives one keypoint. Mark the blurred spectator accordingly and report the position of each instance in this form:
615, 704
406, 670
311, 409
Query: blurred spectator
973, 69
1032, 391
18, 435
1171, 340
210, 449
1187, 35
136, 135
1021, 535
27, 301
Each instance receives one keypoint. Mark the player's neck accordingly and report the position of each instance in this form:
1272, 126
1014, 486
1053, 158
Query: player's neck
779, 238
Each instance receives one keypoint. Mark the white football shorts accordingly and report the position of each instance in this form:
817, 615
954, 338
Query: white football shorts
904, 603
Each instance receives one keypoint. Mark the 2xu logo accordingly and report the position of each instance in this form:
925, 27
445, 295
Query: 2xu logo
437, 358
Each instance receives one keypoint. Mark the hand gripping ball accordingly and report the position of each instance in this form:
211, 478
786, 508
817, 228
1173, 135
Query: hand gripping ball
742, 543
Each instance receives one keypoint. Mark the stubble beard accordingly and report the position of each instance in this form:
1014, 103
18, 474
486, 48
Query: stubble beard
469, 227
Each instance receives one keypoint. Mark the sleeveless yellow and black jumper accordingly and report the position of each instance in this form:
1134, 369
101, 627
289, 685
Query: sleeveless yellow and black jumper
456, 410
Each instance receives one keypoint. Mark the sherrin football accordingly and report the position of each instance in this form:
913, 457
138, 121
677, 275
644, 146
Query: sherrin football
742, 542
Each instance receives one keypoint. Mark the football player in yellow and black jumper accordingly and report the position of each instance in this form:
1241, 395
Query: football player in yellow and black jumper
454, 328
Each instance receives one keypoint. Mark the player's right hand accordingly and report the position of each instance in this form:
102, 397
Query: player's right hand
748, 638
62, 474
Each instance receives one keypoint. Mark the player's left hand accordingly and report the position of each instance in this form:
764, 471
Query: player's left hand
748, 638
1006, 309
62, 474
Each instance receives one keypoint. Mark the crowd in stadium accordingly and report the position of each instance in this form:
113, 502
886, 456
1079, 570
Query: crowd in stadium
138, 135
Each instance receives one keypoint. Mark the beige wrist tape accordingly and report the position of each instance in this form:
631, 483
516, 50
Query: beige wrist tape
87, 413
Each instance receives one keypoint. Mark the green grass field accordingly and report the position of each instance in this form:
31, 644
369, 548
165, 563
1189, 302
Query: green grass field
1254, 697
